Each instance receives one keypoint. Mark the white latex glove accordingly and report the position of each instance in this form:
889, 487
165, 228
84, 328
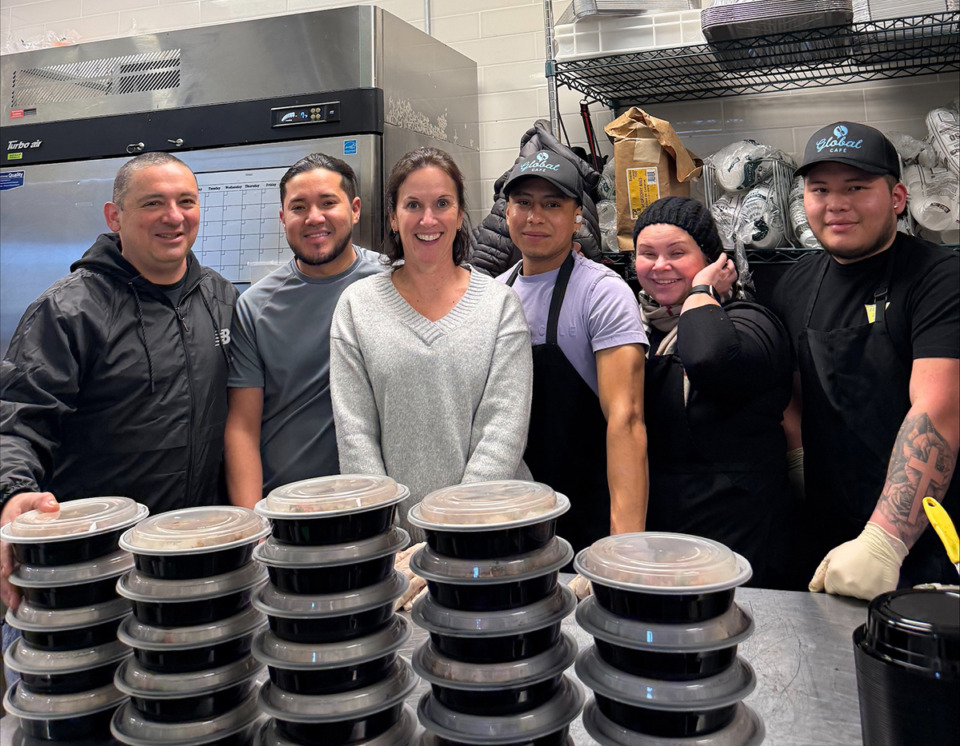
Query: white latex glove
418, 586
864, 567
581, 586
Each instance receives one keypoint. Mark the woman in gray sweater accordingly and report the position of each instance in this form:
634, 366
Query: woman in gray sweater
430, 363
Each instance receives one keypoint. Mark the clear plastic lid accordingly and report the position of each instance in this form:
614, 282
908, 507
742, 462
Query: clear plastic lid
432, 566
139, 587
746, 729
76, 519
400, 733
349, 705
324, 497
663, 563
480, 506
22, 703
273, 651
274, 602
275, 554
109, 566
27, 659
136, 634
133, 679
34, 619
560, 711
720, 690
439, 669
730, 628
132, 728
433, 617
191, 530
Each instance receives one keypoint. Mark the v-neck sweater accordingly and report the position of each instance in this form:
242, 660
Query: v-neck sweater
431, 403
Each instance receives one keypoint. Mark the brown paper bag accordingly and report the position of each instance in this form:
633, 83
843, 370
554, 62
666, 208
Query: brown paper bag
650, 163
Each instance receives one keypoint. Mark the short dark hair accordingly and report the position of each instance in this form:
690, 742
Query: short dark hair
414, 161
121, 183
348, 179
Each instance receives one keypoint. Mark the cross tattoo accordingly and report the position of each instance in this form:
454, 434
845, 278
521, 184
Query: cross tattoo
927, 470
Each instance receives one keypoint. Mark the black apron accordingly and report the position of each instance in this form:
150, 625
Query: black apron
856, 392
567, 445
693, 491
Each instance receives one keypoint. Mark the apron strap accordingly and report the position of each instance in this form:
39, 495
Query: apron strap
881, 293
513, 275
556, 300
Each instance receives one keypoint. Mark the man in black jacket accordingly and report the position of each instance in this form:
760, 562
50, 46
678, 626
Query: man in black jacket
115, 382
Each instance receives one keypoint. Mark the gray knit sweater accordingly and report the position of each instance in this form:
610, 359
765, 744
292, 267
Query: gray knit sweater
431, 404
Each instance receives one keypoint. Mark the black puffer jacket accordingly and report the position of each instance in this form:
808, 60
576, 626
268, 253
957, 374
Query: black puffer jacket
107, 389
494, 251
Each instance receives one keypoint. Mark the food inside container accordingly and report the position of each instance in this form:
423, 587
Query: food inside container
63, 717
663, 577
344, 717
65, 672
180, 697
184, 649
548, 721
671, 709
177, 603
80, 531
237, 726
331, 617
674, 652
494, 584
195, 542
495, 636
401, 733
745, 729
331, 667
332, 510
333, 568
483, 520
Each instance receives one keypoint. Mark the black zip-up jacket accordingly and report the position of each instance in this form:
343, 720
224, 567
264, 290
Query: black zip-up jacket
108, 389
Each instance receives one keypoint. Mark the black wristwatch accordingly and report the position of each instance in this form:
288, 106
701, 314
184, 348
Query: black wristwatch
708, 289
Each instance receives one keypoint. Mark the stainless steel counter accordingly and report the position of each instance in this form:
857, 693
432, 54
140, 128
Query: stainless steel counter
802, 652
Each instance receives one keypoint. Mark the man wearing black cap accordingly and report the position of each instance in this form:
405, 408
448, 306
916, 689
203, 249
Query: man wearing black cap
587, 437
875, 321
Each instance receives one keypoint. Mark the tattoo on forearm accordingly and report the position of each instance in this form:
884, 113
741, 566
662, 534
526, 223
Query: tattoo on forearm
920, 466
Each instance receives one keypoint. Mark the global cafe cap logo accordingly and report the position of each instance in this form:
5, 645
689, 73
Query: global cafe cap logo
541, 163
839, 142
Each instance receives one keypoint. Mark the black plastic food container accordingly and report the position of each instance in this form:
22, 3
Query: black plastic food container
342, 732
64, 717
193, 707
908, 668
333, 579
505, 700
190, 613
72, 639
658, 607
71, 596
500, 649
333, 628
332, 680
194, 659
335, 529
187, 566
664, 723
67, 552
557, 738
489, 544
67, 683
679, 666
492, 597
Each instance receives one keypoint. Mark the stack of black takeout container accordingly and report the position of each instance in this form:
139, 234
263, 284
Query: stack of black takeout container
69, 561
191, 678
331, 647
496, 655
664, 666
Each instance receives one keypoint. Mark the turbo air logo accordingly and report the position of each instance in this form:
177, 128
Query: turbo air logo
839, 142
541, 164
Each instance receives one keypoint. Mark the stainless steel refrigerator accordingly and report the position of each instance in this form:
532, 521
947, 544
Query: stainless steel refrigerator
239, 103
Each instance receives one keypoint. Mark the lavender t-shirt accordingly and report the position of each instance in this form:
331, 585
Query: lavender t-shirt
598, 312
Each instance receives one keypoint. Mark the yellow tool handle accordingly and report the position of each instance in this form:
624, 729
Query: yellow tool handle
944, 527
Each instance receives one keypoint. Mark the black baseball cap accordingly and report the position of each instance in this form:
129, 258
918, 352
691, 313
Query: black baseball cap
551, 167
853, 144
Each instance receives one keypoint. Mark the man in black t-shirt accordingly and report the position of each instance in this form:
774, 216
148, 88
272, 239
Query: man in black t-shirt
875, 323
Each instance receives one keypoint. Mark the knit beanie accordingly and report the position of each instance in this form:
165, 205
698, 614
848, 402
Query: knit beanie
685, 213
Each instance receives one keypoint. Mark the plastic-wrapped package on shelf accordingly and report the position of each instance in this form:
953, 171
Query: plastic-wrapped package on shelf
760, 220
741, 165
802, 231
606, 187
912, 150
607, 213
943, 124
933, 197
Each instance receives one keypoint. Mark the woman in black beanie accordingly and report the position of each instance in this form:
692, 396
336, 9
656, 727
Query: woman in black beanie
718, 378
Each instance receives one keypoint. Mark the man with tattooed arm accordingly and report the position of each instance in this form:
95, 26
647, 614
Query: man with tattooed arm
875, 322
